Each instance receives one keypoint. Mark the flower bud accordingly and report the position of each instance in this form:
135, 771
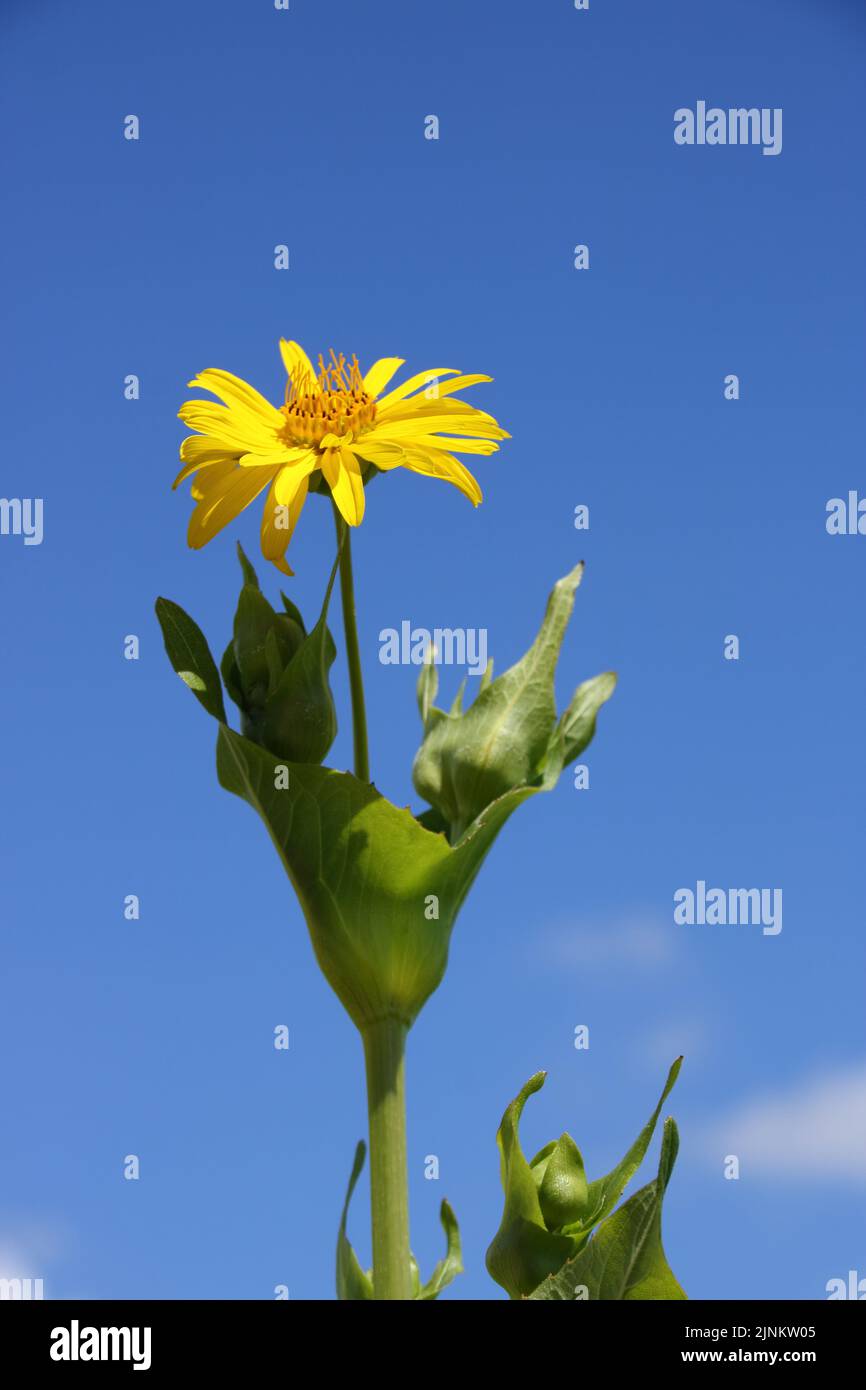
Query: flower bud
509, 737
277, 674
550, 1209
561, 1182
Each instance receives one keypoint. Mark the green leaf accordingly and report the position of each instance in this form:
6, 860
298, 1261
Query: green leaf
293, 612
231, 675
457, 702
523, 1251
250, 576
448, 1268
428, 684
625, 1259
605, 1192
274, 661
190, 656
577, 725
352, 1281
380, 893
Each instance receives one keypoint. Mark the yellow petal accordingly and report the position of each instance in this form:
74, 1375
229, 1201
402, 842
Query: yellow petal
471, 424
200, 446
234, 391
381, 373
342, 473
435, 463
441, 388
417, 407
290, 476
420, 379
299, 367
211, 477
224, 501
442, 441
241, 430
384, 454
432, 463
276, 537
273, 458
195, 459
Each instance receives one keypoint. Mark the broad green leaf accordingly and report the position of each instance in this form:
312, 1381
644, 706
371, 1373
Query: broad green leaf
448, 1268
604, 1193
352, 1281
625, 1259
380, 892
190, 656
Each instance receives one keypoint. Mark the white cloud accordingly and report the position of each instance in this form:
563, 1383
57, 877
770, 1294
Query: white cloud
28, 1252
635, 941
813, 1129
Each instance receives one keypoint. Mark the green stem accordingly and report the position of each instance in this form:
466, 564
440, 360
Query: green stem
353, 651
385, 1040
384, 1051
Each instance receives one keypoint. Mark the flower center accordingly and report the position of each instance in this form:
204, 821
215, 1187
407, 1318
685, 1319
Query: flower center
332, 402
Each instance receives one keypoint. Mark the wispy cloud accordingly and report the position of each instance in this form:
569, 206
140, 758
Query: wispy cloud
815, 1128
29, 1251
635, 941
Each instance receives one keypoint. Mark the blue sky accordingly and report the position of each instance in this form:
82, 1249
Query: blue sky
707, 518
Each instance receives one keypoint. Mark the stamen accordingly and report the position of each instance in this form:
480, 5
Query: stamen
340, 405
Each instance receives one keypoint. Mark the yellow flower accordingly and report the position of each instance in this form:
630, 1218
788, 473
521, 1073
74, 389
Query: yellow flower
334, 424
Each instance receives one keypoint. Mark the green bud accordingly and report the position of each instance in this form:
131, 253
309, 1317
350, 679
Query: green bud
523, 1251
277, 674
263, 645
562, 1187
509, 737
550, 1209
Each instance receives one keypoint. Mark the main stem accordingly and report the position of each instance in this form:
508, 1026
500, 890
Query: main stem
353, 651
385, 1040
384, 1051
